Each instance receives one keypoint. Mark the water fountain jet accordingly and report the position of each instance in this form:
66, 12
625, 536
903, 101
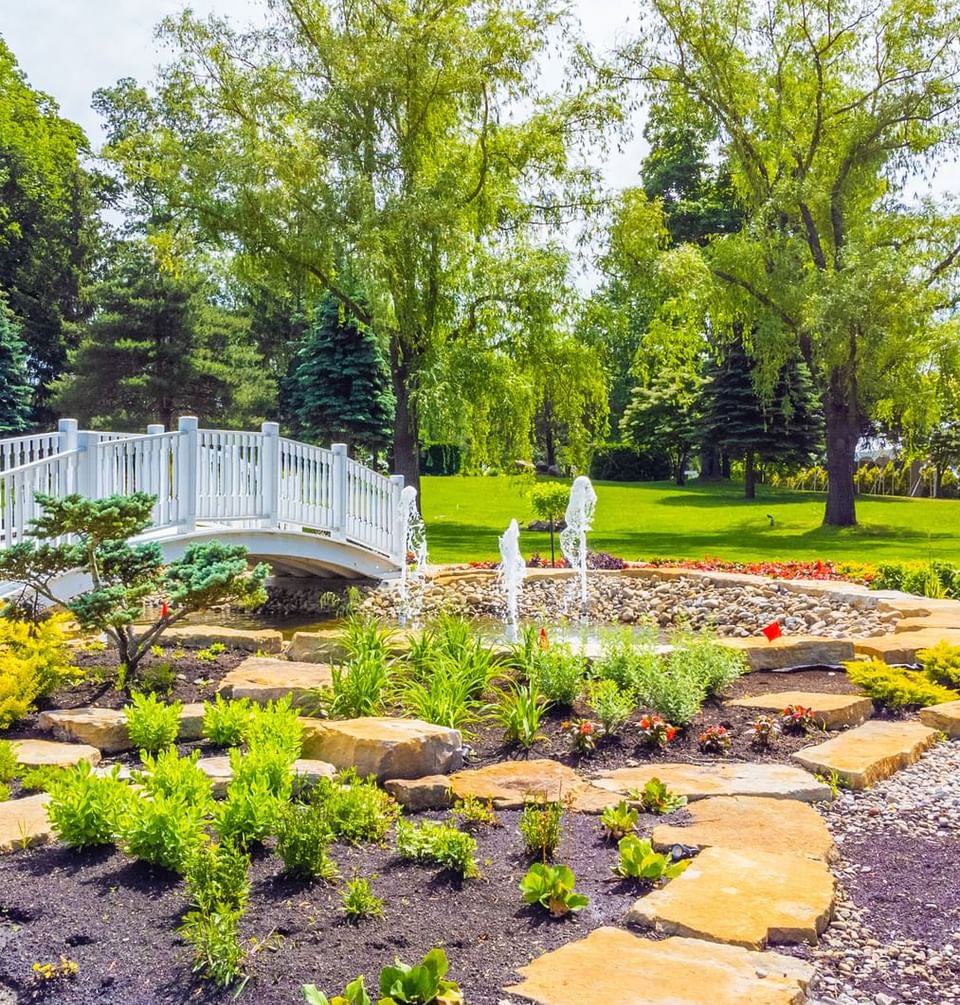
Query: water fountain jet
573, 538
413, 534
511, 574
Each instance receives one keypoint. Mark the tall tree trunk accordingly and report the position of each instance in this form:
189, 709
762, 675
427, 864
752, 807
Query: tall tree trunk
843, 433
749, 476
406, 423
710, 463
680, 469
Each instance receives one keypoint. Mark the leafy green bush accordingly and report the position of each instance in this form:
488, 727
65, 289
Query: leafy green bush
218, 953
34, 660
638, 860
619, 820
703, 658
541, 827
86, 809
276, 726
925, 579
164, 830
8, 762
169, 774
249, 813
622, 462
896, 687
217, 874
627, 658
355, 809
359, 901
557, 674
520, 711
225, 723
151, 722
266, 765
552, 886
611, 705
941, 663
42, 778
448, 846
656, 798
447, 689
303, 839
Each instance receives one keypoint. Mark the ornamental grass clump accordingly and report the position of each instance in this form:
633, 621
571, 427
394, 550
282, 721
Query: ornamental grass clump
520, 712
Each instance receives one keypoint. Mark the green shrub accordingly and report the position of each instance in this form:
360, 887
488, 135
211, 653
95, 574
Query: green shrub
656, 798
217, 874
164, 830
152, 723
157, 678
355, 809
34, 660
85, 809
268, 766
702, 657
249, 813
619, 820
941, 663
552, 886
622, 462
225, 723
448, 846
5, 792
896, 687
42, 778
541, 827
638, 860
276, 726
611, 705
627, 658
359, 901
8, 762
673, 691
169, 774
303, 838
557, 674
520, 712
218, 953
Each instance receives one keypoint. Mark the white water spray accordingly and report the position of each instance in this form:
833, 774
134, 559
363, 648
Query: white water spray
573, 538
511, 575
413, 534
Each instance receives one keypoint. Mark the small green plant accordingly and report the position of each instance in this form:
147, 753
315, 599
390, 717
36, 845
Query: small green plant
355, 809
8, 762
422, 984
164, 830
157, 678
611, 705
557, 674
656, 798
655, 731
225, 723
217, 874
552, 886
583, 735
86, 809
152, 723
169, 774
520, 712
798, 720
359, 901
218, 953
638, 860
541, 827
5, 792
249, 813
355, 993
448, 846
619, 820
765, 729
896, 687
303, 839
714, 740
628, 658
276, 726
473, 813
156, 652
210, 654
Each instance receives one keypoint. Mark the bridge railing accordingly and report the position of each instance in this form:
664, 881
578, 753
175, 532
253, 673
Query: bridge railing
208, 476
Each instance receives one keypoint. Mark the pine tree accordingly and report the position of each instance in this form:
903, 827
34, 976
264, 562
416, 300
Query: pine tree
14, 390
784, 427
339, 386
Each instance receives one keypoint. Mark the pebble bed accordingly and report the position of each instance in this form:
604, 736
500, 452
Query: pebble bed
732, 610
920, 806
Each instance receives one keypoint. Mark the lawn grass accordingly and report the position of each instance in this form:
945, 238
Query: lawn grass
465, 515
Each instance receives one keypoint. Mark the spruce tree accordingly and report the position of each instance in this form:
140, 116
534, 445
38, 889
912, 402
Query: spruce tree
339, 387
14, 389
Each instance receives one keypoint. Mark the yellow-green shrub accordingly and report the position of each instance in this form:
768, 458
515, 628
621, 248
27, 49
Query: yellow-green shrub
941, 663
34, 660
897, 687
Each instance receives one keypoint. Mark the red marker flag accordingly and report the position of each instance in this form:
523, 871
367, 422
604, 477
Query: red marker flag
772, 631
542, 640
164, 610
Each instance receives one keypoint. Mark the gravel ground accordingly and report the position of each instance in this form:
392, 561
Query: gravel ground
896, 937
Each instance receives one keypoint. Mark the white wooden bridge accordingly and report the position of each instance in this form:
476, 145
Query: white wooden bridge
308, 511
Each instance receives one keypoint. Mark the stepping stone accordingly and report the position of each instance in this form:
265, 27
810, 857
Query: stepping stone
24, 823
780, 826
432, 792
106, 728
792, 651
697, 781
218, 770
743, 898
383, 746
833, 711
614, 966
931, 621
44, 753
262, 679
510, 784
264, 640
869, 753
326, 645
902, 647
945, 718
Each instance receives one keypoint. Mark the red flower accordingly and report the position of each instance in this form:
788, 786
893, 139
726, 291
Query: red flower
586, 727
671, 733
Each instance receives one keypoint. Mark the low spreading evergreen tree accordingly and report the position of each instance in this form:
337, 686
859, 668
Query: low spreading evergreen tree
14, 389
339, 387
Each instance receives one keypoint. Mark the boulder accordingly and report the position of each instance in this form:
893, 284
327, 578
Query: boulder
326, 645
106, 728
262, 679
792, 651
264, 640
414, 794
383, 746
902, 647
24, 823
44, 753
833, 711
613, 966
742, 897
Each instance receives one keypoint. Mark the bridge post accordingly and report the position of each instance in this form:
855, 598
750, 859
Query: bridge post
270, 473
399, 546
67, 430
88, 444
339, 529
187, 462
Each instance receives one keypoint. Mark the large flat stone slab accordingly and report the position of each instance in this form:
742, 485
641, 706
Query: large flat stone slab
743, 898
933, 622
262, 679
869, 753
106, 728
833, 711
780, 826
902, 647
383, 746
218, 770
792, 651
326, 645
944, 717
510, 784
262, 640
614, 967
698, 781
50, 753
24, 823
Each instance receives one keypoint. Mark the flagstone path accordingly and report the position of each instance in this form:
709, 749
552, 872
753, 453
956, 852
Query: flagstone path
832, 711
